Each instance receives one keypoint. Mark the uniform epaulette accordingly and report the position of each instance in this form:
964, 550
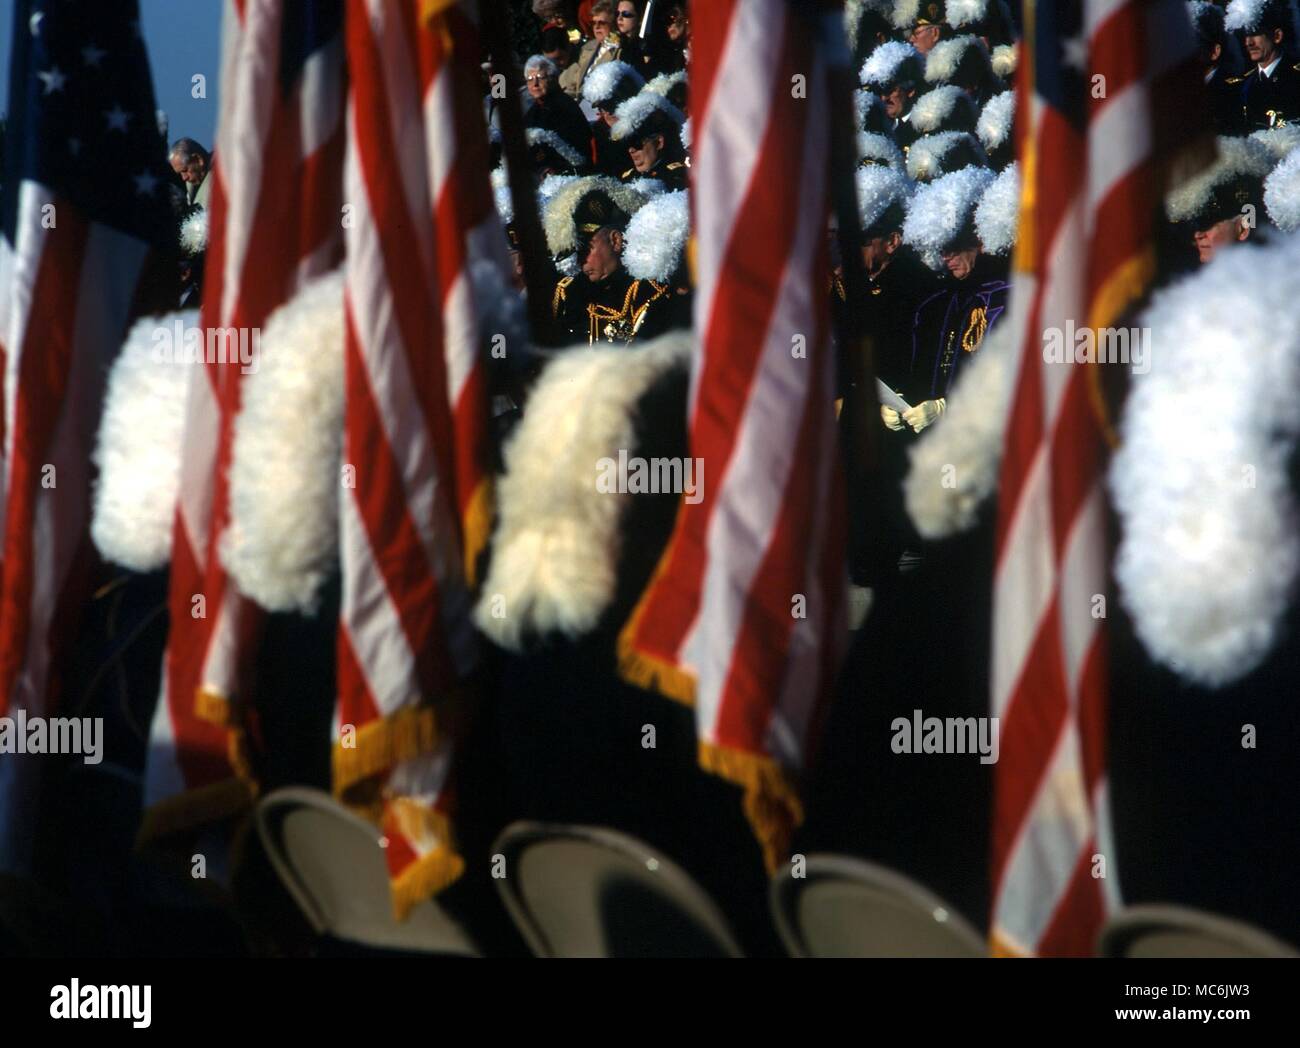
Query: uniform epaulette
1239, 79
561, 288
629, 173
675, 165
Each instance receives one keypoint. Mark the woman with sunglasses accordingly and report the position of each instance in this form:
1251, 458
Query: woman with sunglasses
605, 45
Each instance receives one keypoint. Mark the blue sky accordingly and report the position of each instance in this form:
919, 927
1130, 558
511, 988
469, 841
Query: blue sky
183, 38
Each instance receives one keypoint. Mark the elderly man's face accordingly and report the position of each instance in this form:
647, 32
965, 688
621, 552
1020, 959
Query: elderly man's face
897, 101
877, 252
1211, 239
646, 153
1263, 47
539, 83
602, 258
924, 37
192, 170
960, 263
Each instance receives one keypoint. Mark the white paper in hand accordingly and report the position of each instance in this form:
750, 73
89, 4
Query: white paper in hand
891, 399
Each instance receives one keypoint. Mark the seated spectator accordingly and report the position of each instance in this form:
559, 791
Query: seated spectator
604, 46
551, 108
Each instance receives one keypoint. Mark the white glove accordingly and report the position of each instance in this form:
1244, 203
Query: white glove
921, 415
891, 418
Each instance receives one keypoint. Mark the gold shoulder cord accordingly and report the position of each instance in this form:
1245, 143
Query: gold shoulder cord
596, 313
660, 290
561, 289
974, 333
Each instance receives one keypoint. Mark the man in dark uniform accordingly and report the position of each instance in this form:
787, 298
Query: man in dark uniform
951, 322
895, 72
896, 282
1212, 40
604, 303
606, 88
1270, 90
649, 128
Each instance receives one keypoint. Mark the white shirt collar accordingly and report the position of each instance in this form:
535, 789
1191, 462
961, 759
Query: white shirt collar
1268, 70
1210, 75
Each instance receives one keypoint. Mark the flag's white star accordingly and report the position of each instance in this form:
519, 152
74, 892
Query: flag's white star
34, 23
74, 146
145, 183
53, 79
92, 54
1074, 53
117, 118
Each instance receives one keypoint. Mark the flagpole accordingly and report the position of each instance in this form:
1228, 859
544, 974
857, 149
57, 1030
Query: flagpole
528, 224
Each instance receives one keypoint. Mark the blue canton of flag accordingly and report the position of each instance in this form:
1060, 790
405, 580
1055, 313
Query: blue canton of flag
82, 120
1061, 57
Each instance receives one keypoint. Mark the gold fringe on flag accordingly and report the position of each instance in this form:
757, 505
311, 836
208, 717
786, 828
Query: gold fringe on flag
423, 879
476, 527
1128, 283
216, 801
772, 803
1001, 946
383, 744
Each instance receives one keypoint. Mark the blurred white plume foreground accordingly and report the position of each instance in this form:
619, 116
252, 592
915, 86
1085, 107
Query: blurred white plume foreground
1210, 540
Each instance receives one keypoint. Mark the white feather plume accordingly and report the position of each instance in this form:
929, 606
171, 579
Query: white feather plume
878, 189
928, 156
958, 13
954, 466
561, 237
942, 61
879, 150
546, 137
557, 543
935, 106
1210, 545
138, 447
882, 64
1004, 60
285, 480
905, 12
1282, 194
194, 231
656, 237
601, 82
1237, 157
994, 125
998, 214
632, 113
940, 209
1279, 141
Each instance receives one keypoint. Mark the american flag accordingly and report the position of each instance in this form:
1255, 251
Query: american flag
83, 199
1093, 153
417, 512
744, 618
275, 221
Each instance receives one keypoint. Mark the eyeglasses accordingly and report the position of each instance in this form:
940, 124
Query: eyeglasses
626, 14
600, 23
537, 78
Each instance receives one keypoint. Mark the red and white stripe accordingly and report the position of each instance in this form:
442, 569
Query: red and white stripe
744, 618
1087, 254
65, 298
415, 433
274, 221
